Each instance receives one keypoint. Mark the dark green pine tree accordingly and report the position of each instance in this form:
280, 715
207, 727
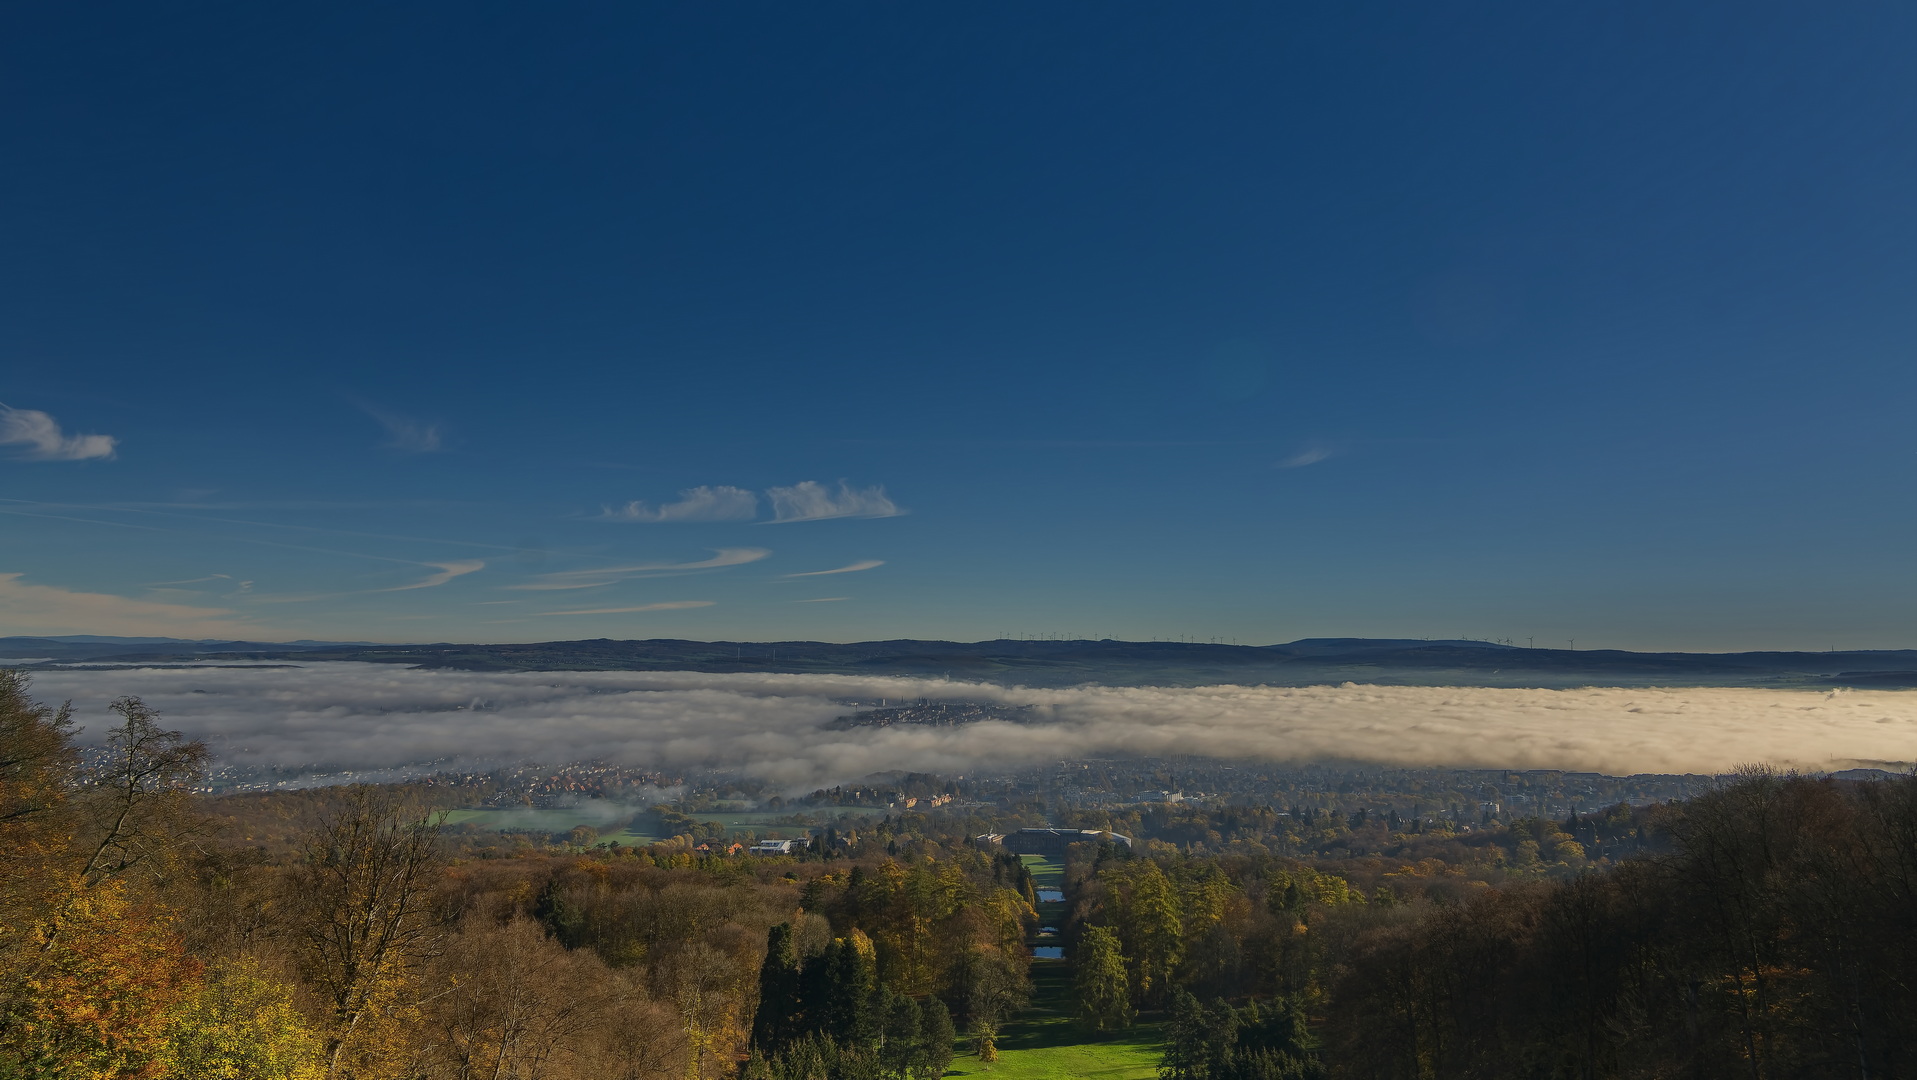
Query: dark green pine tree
781, 1015
902, 1036
561, 916
813, 897
840, 997
1274, 1042
1187, 1054
1258, 1042
936, 1040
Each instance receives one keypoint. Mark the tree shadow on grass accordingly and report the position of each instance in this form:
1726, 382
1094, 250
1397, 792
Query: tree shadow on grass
1051, 1020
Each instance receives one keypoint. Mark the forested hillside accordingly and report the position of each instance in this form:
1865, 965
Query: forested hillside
1766, 929
339, 933
1774, 935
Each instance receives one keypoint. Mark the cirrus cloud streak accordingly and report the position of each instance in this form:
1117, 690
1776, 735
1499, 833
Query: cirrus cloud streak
862, 564
668, 605
447, 572
590, 579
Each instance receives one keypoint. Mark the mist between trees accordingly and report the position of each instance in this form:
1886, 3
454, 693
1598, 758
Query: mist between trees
1762, 930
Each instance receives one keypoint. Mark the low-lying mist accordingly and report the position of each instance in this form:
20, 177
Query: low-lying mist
375, 716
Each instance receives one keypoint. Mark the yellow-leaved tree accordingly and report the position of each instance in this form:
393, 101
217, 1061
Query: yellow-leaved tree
94, 994
239, 1024
95, 981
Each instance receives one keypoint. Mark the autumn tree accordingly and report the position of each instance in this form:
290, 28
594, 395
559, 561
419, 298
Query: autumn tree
37, 760
96, 995
1098, 976
363, 920
36, 757
241, 1024
639, 1040
135, 802
510, 1001
704, 988
92, 977
1150, 925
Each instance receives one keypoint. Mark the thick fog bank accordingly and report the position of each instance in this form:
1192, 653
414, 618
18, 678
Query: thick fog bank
371, 716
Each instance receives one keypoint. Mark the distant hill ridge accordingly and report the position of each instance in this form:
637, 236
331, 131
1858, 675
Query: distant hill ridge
1309, 661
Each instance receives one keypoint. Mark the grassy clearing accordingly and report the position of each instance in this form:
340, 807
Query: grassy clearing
629, 838
1046, 1042
1046, 873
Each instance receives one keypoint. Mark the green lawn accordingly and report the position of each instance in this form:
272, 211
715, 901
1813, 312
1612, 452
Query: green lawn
1134, 1056
1046, 873
1046, 1042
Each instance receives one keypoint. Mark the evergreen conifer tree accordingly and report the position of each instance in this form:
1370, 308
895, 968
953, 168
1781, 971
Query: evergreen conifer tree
780, 1014
937, 1035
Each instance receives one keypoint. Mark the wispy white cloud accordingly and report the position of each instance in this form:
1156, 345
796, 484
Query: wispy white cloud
44, 441
704, 503
862, 564
405, 434
589, 579
669, 605
49, 609
191, 581
447, 572
1310, 455
809, 500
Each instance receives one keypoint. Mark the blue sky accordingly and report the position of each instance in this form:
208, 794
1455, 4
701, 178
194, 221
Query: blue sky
1235, 321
